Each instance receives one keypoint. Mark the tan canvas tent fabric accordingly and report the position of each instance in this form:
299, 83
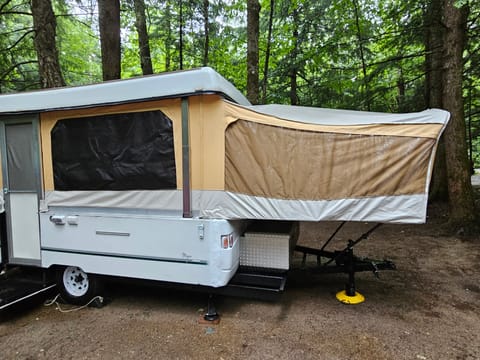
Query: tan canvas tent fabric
255, 162
285, 162
249, 162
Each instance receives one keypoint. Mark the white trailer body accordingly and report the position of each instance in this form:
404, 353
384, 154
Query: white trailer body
141, 245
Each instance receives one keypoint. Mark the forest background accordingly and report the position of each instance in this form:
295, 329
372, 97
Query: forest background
388, 56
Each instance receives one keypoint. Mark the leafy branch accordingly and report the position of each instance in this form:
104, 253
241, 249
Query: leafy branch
14, 66
18, 41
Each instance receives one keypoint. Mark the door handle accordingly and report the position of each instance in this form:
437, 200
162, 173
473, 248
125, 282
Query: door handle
5, 191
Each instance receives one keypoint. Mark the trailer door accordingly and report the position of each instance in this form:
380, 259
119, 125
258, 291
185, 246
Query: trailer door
22, 185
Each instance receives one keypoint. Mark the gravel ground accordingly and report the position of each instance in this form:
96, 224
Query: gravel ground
427, 309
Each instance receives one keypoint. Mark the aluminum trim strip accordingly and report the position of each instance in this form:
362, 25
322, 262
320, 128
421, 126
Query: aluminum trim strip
133, 257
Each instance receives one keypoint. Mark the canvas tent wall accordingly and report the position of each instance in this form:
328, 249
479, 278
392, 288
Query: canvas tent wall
322, 164
245, 162
248, 163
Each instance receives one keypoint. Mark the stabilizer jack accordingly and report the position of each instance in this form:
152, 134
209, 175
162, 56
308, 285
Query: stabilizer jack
344, 261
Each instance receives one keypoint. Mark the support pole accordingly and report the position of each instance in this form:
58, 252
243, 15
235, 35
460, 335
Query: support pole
211, 314
187, 191
350, 296
350, 265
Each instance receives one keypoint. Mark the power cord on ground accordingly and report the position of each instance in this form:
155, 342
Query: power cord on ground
59, 308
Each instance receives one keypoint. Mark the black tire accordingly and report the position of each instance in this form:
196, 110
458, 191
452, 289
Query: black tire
76, 286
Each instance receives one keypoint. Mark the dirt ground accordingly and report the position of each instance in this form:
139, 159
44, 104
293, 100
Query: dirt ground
429, 308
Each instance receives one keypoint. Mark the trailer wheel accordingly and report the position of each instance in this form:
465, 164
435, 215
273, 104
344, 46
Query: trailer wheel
76, 286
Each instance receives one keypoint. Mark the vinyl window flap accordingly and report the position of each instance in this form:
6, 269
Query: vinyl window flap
129, 151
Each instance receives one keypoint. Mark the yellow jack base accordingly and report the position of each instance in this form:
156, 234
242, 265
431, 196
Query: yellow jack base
350, 300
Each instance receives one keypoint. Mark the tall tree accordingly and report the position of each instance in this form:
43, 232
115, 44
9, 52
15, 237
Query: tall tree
267, 52
143, 40
109, 23
293, 72
462, 209
471, 84
206, 29
45, 33
180, 34
361, 49
168, 36
434, 38
253, 25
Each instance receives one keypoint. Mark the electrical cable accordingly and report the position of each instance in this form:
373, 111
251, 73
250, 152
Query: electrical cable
59, 308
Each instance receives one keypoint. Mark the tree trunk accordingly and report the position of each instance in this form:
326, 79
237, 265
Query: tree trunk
462, 210
109, 21
362, 54
434, 37
439, 186
253, 17
45, 31
293, 66
471, 162
401, 91
267, 51
143, 41
206, 27
180, 30
168, 40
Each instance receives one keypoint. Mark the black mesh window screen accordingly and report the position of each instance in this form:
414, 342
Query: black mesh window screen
130, 151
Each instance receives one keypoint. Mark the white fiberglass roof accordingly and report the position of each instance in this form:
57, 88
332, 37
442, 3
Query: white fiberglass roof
321, 116
172, 84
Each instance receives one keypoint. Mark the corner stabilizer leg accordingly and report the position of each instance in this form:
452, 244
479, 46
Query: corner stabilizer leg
211, 316
350, 296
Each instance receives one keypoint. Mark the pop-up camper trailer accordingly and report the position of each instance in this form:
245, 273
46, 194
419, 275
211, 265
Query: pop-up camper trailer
162, 177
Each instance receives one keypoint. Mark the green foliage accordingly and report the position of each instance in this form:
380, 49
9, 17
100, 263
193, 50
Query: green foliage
78, 42
18, 67
354, 54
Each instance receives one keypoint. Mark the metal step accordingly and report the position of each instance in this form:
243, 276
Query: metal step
17, 285
264, 284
